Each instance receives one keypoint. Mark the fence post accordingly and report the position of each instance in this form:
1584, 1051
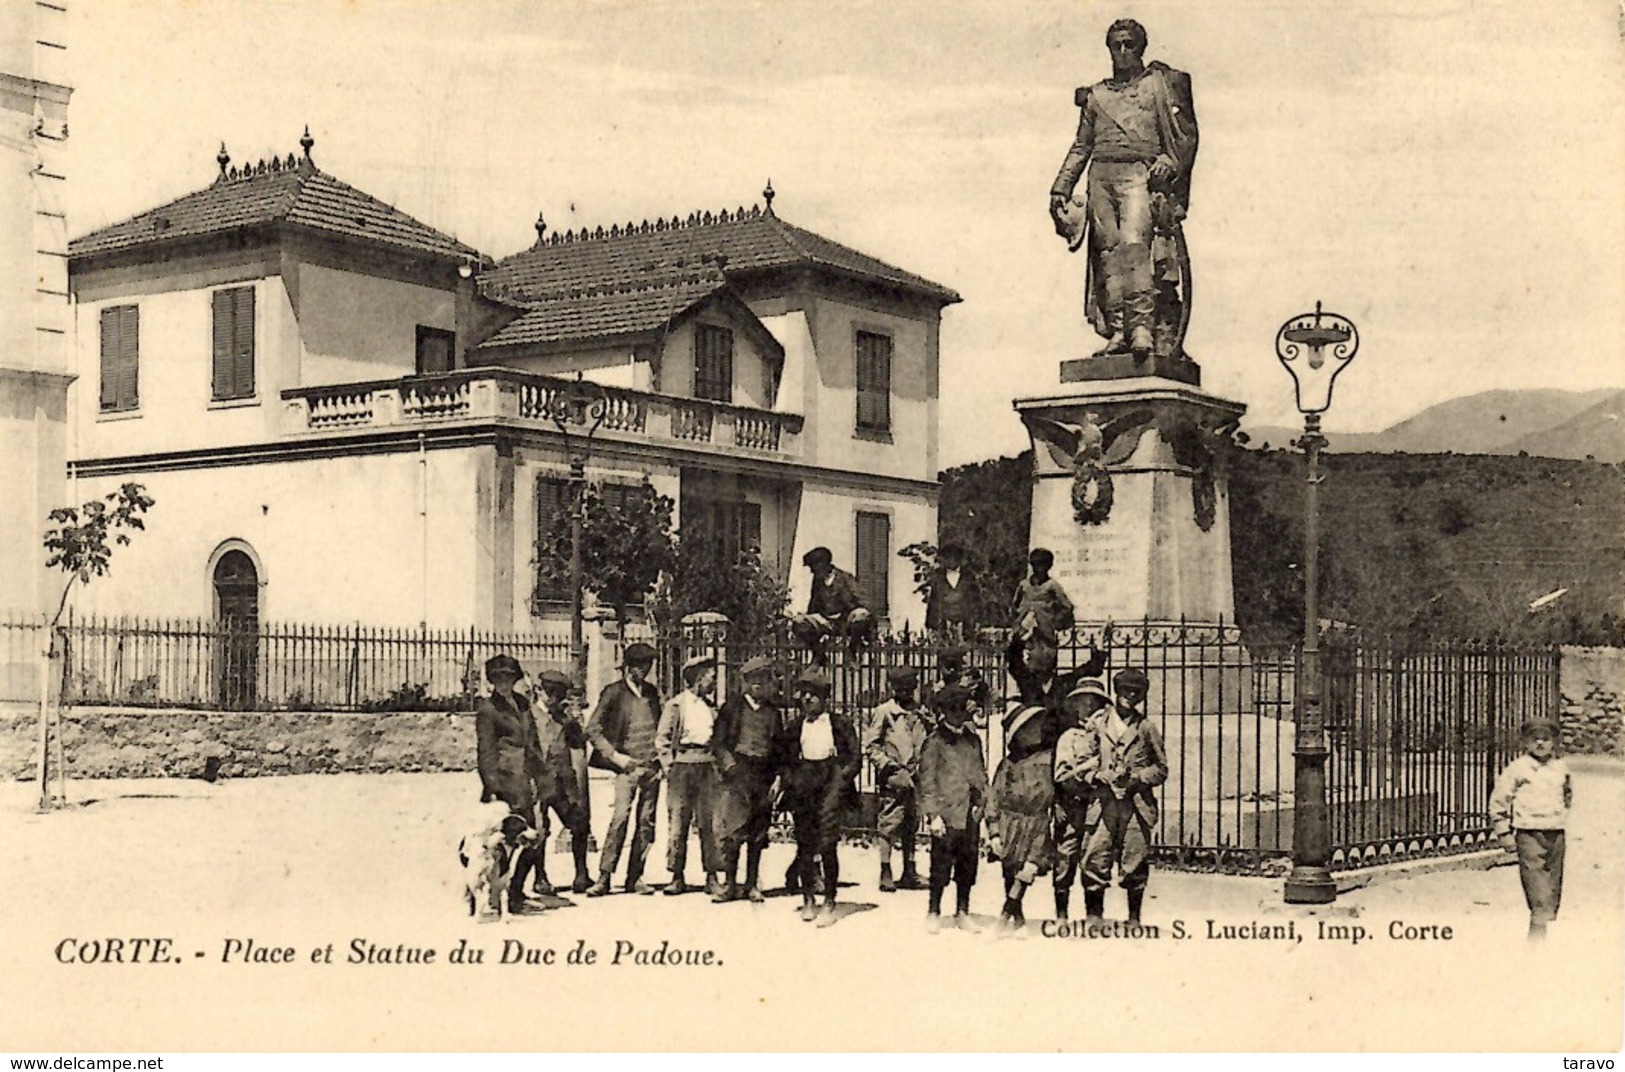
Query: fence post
603, 633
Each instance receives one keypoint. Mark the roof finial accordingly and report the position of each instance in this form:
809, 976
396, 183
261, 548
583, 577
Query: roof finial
541, 228
307, 142
223, 159
767, 195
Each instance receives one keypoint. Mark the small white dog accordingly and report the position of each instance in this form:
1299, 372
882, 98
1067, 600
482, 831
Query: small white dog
489, 853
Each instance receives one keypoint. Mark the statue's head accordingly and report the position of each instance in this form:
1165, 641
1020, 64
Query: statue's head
1126, 41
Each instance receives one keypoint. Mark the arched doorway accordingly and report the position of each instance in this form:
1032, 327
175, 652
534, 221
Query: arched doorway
237, 616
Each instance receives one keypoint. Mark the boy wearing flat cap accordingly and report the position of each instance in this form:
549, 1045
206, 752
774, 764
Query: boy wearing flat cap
953, 793
747, 743
834, 608
1530, 810
819, 789
554, 776
506, 752
1077, 760
683, 745
896, 730
1123, 804
622, 731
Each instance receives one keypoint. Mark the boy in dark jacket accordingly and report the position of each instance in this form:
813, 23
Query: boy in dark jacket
953, 791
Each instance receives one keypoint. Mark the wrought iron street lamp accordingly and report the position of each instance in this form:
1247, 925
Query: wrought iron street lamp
577, 408
1314, 348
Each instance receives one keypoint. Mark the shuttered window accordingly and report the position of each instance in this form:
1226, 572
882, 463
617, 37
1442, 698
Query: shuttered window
233, 344
874, 382
435, 349
874, 562
121, 358
553, 515
552, 509
713, 363
727, 528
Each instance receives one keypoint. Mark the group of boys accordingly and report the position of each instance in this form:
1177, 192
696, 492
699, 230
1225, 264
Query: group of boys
930, 771
726, 769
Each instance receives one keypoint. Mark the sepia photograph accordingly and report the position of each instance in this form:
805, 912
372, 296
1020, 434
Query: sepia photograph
778, 526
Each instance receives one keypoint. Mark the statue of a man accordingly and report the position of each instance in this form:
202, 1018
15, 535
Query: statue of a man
1137, 138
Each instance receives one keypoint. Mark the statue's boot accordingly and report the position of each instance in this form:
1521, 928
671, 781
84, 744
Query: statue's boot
1139, 311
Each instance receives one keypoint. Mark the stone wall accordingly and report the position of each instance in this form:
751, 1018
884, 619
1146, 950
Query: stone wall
1592, 682
142, 743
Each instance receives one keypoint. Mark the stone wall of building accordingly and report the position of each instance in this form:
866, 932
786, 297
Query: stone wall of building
1593, 680
143, 743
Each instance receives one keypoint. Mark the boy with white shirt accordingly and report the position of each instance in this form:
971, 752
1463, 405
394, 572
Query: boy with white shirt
683, 747
1530, 809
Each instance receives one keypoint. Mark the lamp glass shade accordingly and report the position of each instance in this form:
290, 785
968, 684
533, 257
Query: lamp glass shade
1314, 348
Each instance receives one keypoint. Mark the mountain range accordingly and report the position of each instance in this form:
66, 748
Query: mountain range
1541, 422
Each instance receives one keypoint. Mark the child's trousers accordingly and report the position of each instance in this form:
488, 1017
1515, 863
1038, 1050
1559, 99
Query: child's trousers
1540, 866
953, 857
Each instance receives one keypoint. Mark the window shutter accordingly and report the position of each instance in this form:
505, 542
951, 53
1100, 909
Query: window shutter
110, 356
129, 357
873, 377
120, 357
242, 342
713, 363
750, 526
233, 343
552, 505
874, 560
222, 377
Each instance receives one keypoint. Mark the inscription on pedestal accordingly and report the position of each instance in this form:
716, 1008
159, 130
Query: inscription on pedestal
1103, 568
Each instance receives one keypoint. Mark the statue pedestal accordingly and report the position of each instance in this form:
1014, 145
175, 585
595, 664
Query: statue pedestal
1163, 550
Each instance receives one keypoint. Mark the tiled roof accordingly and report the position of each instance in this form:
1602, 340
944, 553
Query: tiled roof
596, 314
746, 240
291, 191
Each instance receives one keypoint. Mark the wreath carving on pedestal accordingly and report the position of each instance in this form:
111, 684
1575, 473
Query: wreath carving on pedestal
1091, 489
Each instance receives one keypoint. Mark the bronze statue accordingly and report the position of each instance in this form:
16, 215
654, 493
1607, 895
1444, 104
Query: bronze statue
1137, 138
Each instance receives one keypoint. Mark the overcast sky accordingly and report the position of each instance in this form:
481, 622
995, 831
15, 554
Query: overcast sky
1447, 174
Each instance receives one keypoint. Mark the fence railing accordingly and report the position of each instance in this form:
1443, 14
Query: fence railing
233, 665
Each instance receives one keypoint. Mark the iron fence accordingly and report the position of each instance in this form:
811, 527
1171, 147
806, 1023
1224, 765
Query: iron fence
1417, 731
234, 665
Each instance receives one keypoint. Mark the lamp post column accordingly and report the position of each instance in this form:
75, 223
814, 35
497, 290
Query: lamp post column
1311, 880
1313, 348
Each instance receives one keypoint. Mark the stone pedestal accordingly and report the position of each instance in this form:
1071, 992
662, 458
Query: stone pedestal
1162, 552
1156, 565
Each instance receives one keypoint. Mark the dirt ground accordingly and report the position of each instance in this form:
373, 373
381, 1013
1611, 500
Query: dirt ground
366, 863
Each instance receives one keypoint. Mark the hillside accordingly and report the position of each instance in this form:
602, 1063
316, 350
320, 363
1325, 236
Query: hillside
1441, 543
1547, 422
1598, 431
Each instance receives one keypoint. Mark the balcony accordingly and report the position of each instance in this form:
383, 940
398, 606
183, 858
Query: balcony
502, 396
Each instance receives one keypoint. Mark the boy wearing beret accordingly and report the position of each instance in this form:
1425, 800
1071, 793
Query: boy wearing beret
553, 774
506, 752
622, 731
1123, 804
683, 745
824, 747
747, 745
953, 792
1530, 809
1077, 760
892, 743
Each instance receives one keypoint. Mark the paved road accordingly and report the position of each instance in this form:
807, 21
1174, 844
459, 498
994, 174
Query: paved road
301, 862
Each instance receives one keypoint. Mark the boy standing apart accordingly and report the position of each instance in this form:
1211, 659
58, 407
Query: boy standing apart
953, 791
892, 742
1530, 810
